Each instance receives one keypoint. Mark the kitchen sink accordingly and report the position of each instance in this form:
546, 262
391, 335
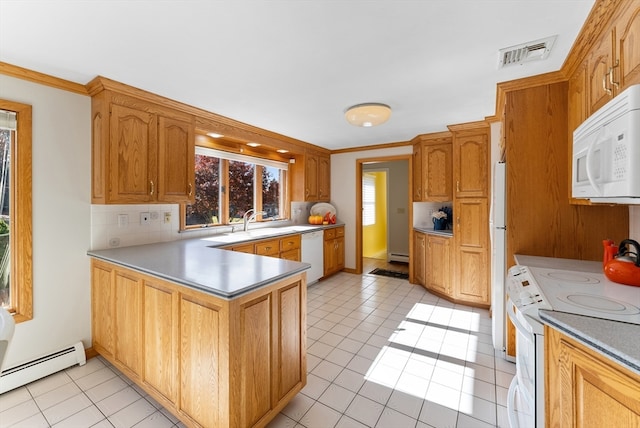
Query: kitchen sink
232, 237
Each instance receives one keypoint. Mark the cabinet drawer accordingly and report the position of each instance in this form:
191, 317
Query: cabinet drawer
246, 248
339, 231
330, 234
268, 248
290, 243
291, 255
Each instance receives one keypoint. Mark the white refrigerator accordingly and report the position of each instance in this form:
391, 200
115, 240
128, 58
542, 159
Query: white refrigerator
498, 230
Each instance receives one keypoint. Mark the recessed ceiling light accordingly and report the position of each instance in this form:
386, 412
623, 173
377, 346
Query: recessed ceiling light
282, 151
214, 135
253, 144
368, 114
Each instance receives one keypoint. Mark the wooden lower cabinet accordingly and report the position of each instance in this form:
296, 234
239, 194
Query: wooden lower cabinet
419, 257
212, 362
288, 248
438, 266
333, 250
585, 389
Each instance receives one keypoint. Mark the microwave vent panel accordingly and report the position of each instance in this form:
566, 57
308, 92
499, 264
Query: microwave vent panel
536, 50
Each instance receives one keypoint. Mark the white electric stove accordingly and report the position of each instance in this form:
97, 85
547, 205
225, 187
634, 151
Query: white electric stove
583, 293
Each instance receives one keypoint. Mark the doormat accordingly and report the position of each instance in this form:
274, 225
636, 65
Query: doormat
391, 273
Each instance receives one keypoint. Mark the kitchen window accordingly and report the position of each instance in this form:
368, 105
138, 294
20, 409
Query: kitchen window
227, 185
16, 290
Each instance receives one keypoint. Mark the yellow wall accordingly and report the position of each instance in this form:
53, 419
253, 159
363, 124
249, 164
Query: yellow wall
374, 237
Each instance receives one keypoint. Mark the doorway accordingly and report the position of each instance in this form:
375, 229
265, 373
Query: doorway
391, 233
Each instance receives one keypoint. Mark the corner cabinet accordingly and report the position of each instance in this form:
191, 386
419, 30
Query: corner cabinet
432, 157
432, 265
141, 152
585, 389
419, 258
333, 250
209, 361
311, 177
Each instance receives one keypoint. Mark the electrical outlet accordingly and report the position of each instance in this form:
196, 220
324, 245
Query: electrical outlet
167, 217
144, 218
123, 220
114, 242
154, 215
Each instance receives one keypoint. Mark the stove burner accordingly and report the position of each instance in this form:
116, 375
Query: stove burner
599, 303
576, 277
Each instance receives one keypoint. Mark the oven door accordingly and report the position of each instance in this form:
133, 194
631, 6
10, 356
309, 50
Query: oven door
521, 404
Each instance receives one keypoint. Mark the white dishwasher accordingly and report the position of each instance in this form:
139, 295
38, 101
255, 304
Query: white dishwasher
312, 253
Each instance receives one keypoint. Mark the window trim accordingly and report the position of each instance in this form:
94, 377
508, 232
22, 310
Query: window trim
259, 163
21, 211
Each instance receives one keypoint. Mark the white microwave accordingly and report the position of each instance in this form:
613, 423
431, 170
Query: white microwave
606, 152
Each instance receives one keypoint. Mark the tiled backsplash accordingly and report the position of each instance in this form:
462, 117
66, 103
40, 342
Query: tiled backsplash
121, 226
422, 213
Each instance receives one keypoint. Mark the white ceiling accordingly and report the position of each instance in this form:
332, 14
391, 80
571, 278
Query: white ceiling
294, 66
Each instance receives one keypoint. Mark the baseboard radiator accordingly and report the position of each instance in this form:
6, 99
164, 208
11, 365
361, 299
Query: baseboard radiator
44, 366
398, 257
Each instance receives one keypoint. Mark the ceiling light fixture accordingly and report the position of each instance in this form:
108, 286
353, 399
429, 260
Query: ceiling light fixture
368, 114
214, 135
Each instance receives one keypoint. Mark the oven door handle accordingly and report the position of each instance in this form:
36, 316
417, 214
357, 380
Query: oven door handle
511, 403
516, 322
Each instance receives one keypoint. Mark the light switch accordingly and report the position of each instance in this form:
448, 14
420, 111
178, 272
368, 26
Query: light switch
123, 220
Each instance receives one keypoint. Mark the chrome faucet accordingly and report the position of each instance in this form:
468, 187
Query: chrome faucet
246, 218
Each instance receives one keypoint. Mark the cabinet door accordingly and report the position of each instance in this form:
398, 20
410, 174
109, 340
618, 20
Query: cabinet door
471, 250
578, 101
132, 155
419, 257
436, 170
176, 161
600, 63
628, 33
311, 178
324, 178
161, 340
128, 322
438, 266
102, 308
330, 261
339, 253
584, 390
417, 172
471, 163
290, 332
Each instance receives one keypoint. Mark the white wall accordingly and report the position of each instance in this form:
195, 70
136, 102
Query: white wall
343, 190
61, 216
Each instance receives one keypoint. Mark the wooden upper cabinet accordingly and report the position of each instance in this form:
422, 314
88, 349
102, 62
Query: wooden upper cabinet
614, 60
311, 178
417, 172
471, 159
628, 45
141, 152
324, 178
432, 167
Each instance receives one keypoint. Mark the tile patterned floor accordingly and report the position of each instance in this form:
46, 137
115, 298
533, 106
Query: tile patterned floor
381, 353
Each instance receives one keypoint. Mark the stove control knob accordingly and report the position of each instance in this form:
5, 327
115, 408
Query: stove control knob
526, 298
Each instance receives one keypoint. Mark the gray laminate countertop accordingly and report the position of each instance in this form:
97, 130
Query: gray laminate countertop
618, 341
432, 231
198, 264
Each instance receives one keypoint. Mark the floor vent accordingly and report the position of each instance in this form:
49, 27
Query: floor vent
44, 366
536, 50
398, 257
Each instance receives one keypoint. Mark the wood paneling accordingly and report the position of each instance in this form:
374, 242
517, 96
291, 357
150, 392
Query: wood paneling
540, 220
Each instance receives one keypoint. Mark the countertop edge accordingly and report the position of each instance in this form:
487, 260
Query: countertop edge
431, 231
193, 285
551, 318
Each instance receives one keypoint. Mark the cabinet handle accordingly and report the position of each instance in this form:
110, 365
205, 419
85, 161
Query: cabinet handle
457, 185
616, 65
190, 189
152, 187
306, 192
267, 248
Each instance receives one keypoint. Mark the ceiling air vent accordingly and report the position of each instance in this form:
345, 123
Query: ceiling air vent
531, 51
